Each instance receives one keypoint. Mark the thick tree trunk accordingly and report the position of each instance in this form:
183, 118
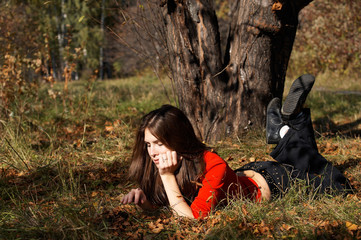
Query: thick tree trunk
224, 98
195, 58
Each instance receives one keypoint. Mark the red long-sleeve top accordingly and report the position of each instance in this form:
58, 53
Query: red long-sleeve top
219, 183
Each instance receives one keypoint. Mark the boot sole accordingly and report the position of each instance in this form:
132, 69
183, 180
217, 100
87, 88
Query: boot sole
297, 95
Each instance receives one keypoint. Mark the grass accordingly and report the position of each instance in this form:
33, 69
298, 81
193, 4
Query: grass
64, 160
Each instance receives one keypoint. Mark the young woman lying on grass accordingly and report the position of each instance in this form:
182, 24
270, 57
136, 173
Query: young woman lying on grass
174, 168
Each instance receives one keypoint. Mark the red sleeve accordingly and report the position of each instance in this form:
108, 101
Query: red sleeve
211, 191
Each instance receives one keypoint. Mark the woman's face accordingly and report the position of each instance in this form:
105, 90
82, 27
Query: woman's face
154, 146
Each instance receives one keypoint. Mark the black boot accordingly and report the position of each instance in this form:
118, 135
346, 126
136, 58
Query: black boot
274, 121
297, 96
303, 122
298, 152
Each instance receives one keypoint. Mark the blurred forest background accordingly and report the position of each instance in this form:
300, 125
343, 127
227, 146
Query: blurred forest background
65, 40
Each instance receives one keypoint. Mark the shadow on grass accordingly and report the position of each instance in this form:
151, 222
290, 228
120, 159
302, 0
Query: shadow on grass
328, 127
47, 182
336, 113
61, 200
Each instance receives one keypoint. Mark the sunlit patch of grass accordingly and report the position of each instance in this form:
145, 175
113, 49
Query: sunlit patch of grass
336, 81
331, 81
23, 148
108, 100
335, 104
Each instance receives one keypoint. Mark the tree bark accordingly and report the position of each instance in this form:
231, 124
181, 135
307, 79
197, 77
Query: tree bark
224, 95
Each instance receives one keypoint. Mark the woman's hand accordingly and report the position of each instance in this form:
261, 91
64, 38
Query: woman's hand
137, 197
168, 163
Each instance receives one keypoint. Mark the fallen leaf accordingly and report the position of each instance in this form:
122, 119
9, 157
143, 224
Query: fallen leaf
116, 123
277, 6
286, 227
156, 228
68, 130
350, 226
109, 128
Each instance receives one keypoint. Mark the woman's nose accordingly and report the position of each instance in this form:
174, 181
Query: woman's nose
152, 150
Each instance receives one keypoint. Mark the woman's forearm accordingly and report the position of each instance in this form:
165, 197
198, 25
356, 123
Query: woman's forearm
175, 198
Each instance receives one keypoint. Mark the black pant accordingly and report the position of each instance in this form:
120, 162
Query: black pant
297, 157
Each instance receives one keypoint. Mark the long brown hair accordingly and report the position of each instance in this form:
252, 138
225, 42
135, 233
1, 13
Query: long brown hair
170, 126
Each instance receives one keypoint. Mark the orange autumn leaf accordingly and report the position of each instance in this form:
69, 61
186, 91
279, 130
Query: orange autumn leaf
156, 228
277, 6
350, 226
109, 128
286, 227
116, 123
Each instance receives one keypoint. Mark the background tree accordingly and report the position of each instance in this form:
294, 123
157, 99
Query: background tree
21, 55
71, 29
224, 93
50, 40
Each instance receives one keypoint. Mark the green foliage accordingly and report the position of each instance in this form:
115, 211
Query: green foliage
42, 41
65, 32
22, 55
